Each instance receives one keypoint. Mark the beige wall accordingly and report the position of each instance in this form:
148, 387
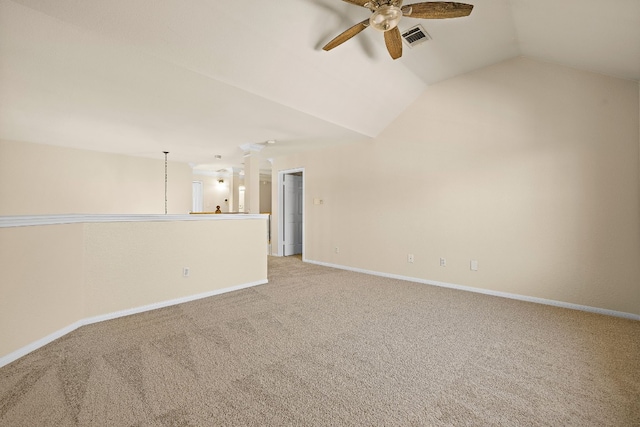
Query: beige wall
265, 196
530, 168
41, 282
54, 276
38, 179
134, 264
213, 193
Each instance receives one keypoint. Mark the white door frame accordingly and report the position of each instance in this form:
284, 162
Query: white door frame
281, 216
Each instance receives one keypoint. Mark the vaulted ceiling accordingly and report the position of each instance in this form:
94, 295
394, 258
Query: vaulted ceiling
201, 78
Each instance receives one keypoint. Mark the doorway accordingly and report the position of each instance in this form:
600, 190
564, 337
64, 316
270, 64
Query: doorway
197, 196
291, 227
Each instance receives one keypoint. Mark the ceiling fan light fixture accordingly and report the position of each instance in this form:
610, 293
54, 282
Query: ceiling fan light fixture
385, 18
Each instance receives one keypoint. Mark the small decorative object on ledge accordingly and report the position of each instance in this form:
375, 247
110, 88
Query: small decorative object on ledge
165, 181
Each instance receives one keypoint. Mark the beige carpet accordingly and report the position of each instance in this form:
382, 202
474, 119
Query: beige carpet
324, 347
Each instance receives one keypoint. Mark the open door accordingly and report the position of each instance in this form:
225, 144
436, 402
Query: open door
292, 213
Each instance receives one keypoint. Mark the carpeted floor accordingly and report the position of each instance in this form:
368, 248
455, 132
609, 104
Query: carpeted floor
324, 347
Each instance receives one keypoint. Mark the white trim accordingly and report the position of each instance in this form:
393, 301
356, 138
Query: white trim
162, 304
265, 174
31, 220
518, 297
252, 147
13, 356
214, 174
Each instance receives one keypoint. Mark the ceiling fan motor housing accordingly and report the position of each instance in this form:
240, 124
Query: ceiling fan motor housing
385, 18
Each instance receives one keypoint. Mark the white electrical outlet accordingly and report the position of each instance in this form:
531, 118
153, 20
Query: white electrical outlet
186, 271
443, 262
410, 258
337, 250
474, 265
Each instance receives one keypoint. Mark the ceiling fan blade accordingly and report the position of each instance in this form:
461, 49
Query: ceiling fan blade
394, 42
343, 37
438, 10
358, 2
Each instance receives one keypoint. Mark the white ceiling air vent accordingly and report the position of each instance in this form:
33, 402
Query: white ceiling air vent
415, 36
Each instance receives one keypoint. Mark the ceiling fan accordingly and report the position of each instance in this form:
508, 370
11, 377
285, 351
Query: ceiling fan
386, 15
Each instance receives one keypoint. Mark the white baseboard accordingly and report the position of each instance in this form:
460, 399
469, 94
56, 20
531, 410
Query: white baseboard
163, 304
536, 300
5, 360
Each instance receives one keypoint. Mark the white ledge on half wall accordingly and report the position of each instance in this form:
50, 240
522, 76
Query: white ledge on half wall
31, 220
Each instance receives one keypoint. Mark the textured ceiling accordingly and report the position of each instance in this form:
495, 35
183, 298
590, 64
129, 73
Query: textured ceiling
199, 79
